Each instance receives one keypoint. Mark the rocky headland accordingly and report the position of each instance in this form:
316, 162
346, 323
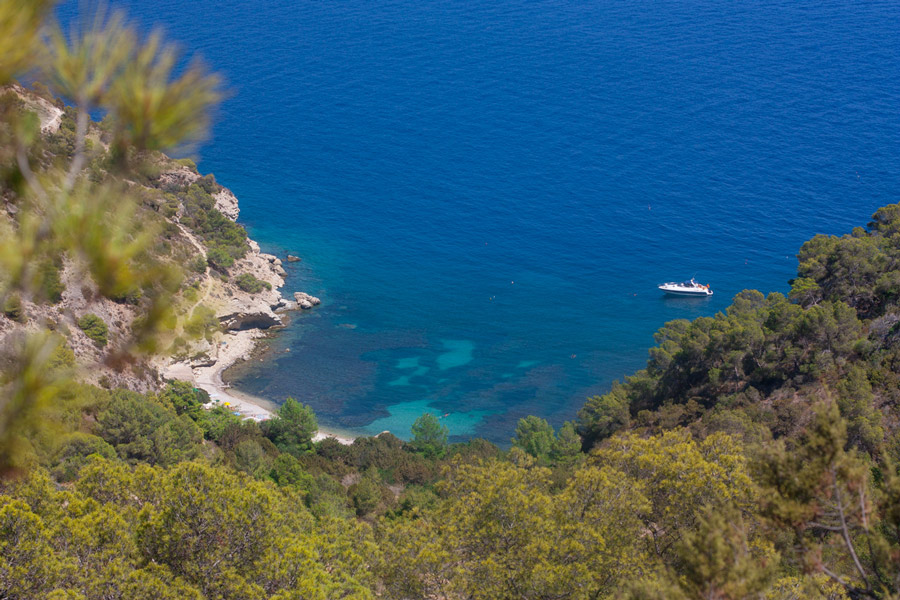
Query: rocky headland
245, 317
230, 296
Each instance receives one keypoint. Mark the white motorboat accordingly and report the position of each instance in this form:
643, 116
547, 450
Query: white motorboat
686, 288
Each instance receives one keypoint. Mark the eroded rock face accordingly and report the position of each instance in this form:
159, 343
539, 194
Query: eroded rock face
281, 304
202, 360
180, 177
251, 320
305, 301
274, 265
50, 116
227, 204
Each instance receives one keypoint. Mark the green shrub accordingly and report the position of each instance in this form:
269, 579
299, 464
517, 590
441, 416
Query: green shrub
61, 360
171, 206
219, 259
74, 452
130, 296
50, 284
292, 428
142, 430
365, 495
13, 309
187, 162
44, 92
287, 471
429, 436
198, 264
208, 183
215, 421
96, 173
251, 284
221, 234
94, 327
184, 398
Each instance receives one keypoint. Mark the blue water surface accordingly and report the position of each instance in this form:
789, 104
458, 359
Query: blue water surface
486, 194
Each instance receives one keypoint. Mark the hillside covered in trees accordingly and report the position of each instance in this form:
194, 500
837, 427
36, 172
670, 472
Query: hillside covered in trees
756, 456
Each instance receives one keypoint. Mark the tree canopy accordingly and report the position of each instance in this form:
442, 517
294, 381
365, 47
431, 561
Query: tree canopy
429, 435
292, 428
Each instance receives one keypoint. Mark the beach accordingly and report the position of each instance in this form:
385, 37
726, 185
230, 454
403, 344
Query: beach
233, 347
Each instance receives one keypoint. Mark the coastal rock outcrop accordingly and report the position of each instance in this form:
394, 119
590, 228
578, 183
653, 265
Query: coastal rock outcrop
242, 310
305, 301
202, 360
227, 204
250, 320
179, 176
50, 115
281, 304
292, 258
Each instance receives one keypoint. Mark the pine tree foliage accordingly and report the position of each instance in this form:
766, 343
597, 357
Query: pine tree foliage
63, 214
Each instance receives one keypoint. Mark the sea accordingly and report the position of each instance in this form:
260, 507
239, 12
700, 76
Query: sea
485, 195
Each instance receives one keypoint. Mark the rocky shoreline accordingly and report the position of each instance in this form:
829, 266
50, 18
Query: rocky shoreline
244, 297
245, 319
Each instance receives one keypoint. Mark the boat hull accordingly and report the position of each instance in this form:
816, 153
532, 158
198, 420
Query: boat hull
686, 289
688, 294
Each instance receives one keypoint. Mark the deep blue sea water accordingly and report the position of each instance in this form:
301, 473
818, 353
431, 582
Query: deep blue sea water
486, 194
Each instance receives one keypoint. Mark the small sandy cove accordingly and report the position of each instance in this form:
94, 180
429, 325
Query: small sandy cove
234, 346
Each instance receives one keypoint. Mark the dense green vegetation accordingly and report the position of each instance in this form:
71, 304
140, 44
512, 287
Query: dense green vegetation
756, 456
13, 309
95, 328
163, 494
249, 283
226, 240
51, 287
758, 369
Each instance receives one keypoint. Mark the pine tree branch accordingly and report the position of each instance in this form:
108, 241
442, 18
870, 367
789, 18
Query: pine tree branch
28, 174
78, 160
845, 532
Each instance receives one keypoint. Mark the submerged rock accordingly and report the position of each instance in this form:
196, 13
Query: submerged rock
292, 258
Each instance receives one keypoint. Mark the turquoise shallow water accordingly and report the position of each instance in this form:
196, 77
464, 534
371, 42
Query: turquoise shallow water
485, 195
